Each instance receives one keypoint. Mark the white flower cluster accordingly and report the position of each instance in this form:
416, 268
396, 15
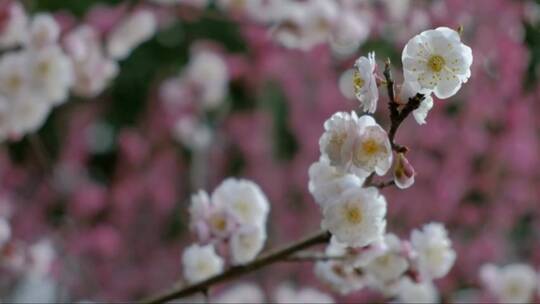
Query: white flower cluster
514, 283
234, 215
394, 267
201, 86
40, 65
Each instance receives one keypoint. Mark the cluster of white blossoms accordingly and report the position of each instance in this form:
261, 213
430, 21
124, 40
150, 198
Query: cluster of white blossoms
396, 268
233, 217
514, 283
40, 65
201, 86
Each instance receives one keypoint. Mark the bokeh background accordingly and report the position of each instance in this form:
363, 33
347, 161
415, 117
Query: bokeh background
110, 182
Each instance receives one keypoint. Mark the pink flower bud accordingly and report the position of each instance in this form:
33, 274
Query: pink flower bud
403, 172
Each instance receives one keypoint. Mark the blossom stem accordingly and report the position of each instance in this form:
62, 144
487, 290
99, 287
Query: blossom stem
279, 255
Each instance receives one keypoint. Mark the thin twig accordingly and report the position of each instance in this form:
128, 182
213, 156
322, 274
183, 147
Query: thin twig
312, 257
322, 237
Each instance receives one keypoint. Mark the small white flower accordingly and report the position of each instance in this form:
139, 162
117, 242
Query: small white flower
326, 183
437, 60
241, 293
339, 276
15, 27
357, 218
199, 213
208, 72
201, 263
514, 283
51, 74
285, 293
44, 31
409, 90
435, 255
246, 244
337, 129
369, 149
365, 84
14, 75
192, 133
42, 255
244, 200
132, 31
411, 292
27, 114
389, 265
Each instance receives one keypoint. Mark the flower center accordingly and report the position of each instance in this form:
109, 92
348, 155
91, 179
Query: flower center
436, 63
358, 81
370, 147
353, 215
218, 222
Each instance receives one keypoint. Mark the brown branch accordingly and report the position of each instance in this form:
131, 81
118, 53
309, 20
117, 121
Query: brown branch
397, 116
236, 271
312, 257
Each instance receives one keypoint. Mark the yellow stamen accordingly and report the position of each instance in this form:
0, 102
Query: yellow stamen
436, 63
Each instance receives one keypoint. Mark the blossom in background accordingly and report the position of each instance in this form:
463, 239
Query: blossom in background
435, 256
357, 217
43, 31
514, 283
285, 293
192, 133
201, 263
414, 292
51, 74
246, 243
409, 90
387, 265
241, 293
13, 31
365, 83
438, 61
132, 31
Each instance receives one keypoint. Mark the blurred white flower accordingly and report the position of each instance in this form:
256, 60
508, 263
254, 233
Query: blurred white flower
514, 283
435, 255
247, 293
208, 72
195, 3
201, 263
285, 293
132, 31
389, 265
246, 243
365, 84
44, 31
326, 183
14, 75
409, 90
42, 255
341, 277
27, 114
192, 133
244, 200
15, 26
437, 60
346, 85
350, 31
357, 217
416, 292
51, 74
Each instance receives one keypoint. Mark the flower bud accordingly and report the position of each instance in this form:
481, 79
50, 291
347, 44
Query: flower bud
403, 172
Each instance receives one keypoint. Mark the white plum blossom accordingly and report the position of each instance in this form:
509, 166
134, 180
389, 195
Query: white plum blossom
208, 72
51, 74
192, 133
357, 217
14, 30
351, 29
241, 293
365, 83
285, 293
438, 61
246, 243
14, 75
435, 256
514, 283
389, 265
326, 183
201, 263
337, 129
409, 90
44, 31
339, 276
416, 292
244, 200
132, 31
26, 115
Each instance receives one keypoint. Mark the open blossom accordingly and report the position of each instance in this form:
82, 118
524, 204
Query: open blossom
201, 263
438, 61
52, 74
132, 31
365, 84
285, 293
389, 264
435, 255
339, 276
14, 75
246, 243
14, 29
416, 292
357, 217
337, 129
209, 220
326, 183
44, 31
514, 283
244, 200
208, 72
